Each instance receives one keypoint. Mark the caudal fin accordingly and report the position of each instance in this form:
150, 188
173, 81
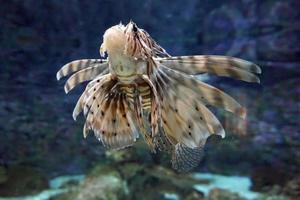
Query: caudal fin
185, 159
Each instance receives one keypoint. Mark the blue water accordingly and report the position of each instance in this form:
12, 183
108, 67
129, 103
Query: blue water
42, 151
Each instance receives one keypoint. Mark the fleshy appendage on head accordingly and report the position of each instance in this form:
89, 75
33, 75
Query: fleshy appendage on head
114, 40
140, 44
125, 40
130, 41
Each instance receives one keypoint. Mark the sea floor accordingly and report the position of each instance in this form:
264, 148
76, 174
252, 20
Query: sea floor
239, 185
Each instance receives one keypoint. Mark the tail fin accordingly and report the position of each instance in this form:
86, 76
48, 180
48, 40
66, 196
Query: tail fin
184, 158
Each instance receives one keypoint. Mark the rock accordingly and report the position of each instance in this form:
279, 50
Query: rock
130, 170
139, 152
104, 187
292, 188
217, 194
131, 180
274, 193
3, 174
22, 181
195, 195
103, 183
66, 181
274, 197
264, 178
153, 182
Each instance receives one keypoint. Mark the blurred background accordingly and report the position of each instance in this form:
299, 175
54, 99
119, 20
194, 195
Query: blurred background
42, 151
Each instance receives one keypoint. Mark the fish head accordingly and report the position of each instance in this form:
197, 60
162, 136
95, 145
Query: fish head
114, 40
131, 41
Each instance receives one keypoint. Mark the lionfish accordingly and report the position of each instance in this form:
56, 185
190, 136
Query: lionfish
142, 90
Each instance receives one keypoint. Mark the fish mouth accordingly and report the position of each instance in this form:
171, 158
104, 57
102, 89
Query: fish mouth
126, 76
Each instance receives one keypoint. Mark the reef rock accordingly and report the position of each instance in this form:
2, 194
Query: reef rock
217, 194
3, 174
292, 188
20, 181
119, 179
103, 183
264, 178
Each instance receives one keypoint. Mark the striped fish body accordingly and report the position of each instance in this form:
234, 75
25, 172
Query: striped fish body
141, 90
129, 72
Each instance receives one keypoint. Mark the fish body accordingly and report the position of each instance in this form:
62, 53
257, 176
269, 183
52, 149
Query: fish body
141, 90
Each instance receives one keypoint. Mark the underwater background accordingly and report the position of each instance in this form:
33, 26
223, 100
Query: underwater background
42, 151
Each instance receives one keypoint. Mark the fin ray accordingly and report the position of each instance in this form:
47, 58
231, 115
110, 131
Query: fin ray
207, 93
77, 65
184, 158
202, 63
84, 75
